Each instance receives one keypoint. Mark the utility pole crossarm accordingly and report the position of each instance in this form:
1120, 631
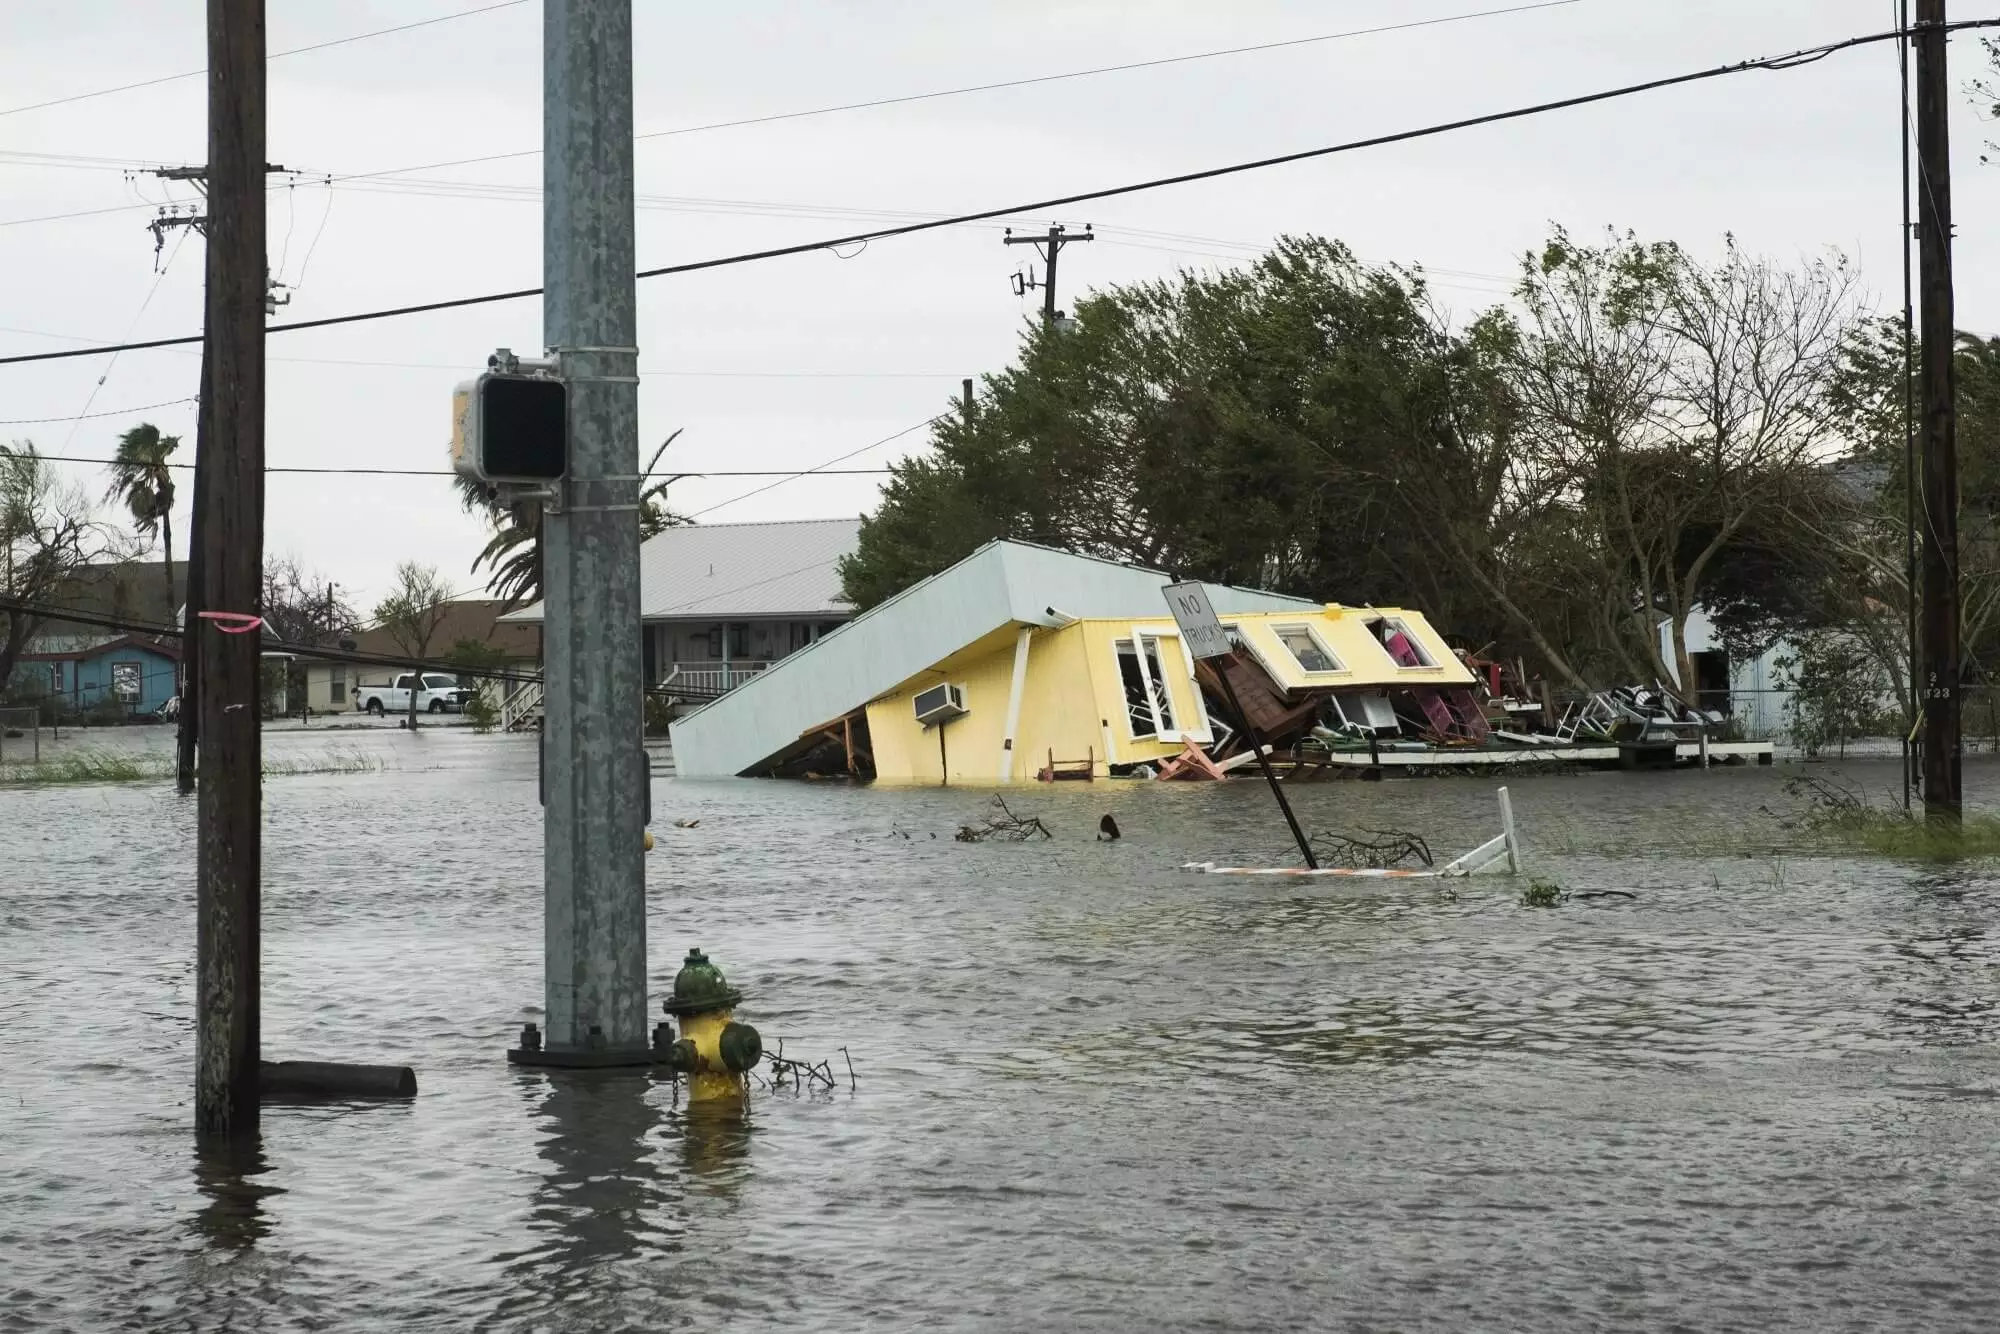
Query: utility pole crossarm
1049, 247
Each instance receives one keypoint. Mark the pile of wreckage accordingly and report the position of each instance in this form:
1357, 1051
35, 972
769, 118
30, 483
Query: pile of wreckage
1500, 720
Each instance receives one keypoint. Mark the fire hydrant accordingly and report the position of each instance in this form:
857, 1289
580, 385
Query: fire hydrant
713, 1050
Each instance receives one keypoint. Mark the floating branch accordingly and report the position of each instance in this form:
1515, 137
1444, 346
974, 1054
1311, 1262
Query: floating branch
1006, 827
1370, 849
786, 1072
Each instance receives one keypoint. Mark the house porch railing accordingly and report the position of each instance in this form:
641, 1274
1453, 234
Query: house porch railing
712, 678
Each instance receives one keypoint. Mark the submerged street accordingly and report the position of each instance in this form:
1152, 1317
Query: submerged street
1092, 1090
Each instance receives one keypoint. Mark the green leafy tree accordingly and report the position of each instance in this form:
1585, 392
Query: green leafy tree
1256, 426
143, 482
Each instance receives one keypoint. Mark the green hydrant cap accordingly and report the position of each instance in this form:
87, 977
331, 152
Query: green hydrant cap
700, 987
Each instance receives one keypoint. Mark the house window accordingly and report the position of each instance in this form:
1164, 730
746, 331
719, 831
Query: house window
1402, 643
1149, 709
1307, 649
336, 685
739, 641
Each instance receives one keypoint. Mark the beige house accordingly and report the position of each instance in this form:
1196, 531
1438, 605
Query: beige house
330, 685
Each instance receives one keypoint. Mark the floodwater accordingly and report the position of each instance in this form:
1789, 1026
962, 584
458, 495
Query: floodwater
1093, 1091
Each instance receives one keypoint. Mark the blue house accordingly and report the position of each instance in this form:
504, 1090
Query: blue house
140, 673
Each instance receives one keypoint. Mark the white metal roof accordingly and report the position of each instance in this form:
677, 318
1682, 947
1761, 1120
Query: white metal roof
709, 570
1002, 583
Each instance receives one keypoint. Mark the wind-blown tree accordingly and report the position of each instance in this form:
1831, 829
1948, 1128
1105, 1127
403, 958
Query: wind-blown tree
1865, 525
1251, 426
143, 483
1679, 399
48, 531
412, 615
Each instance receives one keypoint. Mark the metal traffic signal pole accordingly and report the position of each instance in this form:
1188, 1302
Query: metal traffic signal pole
594, 894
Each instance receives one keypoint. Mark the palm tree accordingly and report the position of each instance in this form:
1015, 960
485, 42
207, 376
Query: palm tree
514, 552
142, 481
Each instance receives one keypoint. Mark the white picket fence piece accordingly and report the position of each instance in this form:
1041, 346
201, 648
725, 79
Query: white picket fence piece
1502, 847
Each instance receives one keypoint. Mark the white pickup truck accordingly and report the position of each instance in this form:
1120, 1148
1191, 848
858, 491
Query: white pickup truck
436, 693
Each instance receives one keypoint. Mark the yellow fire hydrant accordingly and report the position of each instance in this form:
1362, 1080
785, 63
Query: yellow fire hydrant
713, 1050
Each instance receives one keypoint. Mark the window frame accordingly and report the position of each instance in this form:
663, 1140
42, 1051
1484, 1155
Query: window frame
1279, 629
1136, 634
1384, 626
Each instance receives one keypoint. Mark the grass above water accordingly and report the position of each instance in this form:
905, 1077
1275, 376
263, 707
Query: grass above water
105, 766
1895, 833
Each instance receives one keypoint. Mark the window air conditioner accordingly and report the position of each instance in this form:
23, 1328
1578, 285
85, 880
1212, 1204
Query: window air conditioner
940, 704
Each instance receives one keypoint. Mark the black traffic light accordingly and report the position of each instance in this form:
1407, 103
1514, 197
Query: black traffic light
523, 428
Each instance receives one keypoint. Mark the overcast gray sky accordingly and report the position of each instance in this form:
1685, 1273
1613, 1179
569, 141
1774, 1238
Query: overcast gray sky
789, 363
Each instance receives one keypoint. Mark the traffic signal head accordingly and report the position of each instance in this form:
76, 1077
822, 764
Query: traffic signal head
511, 429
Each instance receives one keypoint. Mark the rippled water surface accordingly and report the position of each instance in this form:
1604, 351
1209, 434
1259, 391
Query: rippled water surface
1094, 1091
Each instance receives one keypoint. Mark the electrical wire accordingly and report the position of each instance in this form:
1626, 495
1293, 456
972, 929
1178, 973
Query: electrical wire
370, 176
159, 277
274, 55
1046, 205
271, 644
1030, 81
88, 416
823, 470
808, 472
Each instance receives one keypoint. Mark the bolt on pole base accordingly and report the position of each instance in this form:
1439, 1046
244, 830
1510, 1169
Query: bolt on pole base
595, 1056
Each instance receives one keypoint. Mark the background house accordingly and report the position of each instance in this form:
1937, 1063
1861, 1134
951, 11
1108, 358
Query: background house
84, 672
85, 666
721, 602
515, 648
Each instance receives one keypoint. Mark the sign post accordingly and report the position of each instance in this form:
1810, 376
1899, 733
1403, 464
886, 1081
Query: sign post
1205, 638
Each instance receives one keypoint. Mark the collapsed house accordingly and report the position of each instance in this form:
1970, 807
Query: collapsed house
1021, 662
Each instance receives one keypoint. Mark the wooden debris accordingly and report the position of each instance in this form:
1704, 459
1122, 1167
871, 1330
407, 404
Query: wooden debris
1006, 827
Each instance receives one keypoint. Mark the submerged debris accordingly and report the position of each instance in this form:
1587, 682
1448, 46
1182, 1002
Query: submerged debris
1107, 830
1371, 849
1005, 826
786, 1072
1544, 894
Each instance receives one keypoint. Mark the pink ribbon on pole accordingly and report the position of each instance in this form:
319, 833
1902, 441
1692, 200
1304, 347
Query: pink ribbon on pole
239, 622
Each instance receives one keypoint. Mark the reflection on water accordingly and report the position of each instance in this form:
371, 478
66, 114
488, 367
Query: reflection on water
228, 1175
1094, 1092
715, 1145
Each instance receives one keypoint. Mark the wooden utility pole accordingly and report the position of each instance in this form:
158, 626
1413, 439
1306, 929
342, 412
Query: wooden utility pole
1940, 618
1050, 249
229, 489
966, 402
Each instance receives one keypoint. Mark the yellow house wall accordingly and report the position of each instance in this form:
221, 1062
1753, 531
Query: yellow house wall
1070, 698
1345, 631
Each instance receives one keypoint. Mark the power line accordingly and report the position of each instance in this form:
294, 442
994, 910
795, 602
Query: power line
295, 51
88, 416
1794, 60
1028, 82
323, 652
373, 176
821, 471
